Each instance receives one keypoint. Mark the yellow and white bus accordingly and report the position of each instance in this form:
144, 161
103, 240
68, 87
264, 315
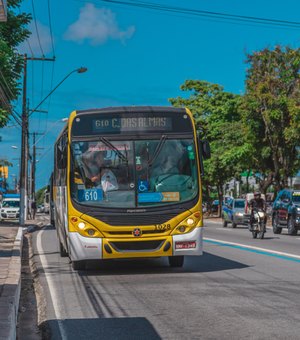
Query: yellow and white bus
127, 184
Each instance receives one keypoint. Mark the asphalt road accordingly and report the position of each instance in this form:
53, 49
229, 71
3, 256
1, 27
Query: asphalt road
245, 289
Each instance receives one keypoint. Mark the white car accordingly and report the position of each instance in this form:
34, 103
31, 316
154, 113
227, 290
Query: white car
10, 209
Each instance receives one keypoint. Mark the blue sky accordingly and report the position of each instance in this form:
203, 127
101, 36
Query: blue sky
135, 56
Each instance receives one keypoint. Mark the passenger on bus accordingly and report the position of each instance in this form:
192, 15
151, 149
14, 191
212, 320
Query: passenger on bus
98, 172
168, 161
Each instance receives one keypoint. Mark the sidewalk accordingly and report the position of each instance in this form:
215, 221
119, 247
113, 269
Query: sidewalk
10, 277
11, 240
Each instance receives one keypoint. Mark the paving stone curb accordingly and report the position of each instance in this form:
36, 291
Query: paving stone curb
10, 297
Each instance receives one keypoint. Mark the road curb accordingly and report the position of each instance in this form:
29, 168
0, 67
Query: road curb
10, 296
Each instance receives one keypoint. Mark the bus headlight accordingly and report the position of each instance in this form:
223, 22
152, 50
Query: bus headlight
84, 228
190, 221
181, 228
188, 224
91, 232
81, 225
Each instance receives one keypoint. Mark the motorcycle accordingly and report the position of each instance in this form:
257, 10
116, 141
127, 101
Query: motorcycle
258, 224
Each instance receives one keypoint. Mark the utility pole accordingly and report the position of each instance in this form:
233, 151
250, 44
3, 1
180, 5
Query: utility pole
25, 144
33, 168
23, 177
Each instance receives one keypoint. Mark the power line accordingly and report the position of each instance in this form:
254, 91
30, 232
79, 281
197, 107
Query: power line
16, 117
50, 27
208, 14
36, 28
49, 101
7, 86
42, 91
30, 48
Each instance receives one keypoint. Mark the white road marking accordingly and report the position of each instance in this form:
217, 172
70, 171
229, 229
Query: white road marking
54, 297
219, 222
228, 229
252, 247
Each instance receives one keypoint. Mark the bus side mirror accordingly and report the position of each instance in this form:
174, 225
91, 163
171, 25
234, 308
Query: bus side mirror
204, 148
204, 152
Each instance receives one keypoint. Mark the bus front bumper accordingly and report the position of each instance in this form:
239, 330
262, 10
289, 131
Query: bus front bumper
84, 248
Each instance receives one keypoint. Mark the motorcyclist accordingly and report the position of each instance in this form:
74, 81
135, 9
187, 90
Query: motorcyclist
257, 204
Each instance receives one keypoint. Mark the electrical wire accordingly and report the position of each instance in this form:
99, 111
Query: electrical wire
207, 14
42, 92
7, 86
53, 64
50, 27
30, 48
49, 101
36, 28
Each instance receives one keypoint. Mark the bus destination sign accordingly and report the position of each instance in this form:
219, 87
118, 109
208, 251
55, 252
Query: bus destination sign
132, 124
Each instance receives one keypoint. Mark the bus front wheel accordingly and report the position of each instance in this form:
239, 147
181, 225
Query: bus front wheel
78, 265
62, 250
176, 261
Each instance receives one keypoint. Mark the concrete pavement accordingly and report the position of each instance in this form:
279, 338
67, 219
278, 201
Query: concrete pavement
11, 236
11, 240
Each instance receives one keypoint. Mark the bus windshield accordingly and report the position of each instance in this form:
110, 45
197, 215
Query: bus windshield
137, 173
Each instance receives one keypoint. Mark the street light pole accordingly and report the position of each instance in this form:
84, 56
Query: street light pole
24, 154
78, 70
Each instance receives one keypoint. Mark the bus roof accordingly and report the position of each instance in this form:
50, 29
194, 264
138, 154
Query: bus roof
131, 109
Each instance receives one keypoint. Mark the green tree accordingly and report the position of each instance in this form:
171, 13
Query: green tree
12, 33
39, 195
218, 118
272, 112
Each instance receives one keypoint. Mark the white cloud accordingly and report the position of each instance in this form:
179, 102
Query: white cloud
96, 25
33, 43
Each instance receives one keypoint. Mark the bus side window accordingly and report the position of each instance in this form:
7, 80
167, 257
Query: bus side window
61, 160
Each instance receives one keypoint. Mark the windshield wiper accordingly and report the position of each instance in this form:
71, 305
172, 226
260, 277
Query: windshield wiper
109, 144
157, 150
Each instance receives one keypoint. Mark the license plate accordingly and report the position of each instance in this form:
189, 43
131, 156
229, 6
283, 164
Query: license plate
185, 245
11, 216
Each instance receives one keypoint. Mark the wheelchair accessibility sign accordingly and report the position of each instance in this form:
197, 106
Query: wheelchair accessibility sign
143, 186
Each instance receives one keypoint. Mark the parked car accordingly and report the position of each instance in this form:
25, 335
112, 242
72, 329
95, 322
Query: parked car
233, 212
40, 208
10, 208
286, 211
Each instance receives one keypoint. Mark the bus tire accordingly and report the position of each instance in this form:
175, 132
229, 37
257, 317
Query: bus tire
62, 250
176, 261
78, 265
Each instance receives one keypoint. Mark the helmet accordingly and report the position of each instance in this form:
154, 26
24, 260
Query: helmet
257, 193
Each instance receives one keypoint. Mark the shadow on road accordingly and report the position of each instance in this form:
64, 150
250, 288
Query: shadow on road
101, 328
193, 264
